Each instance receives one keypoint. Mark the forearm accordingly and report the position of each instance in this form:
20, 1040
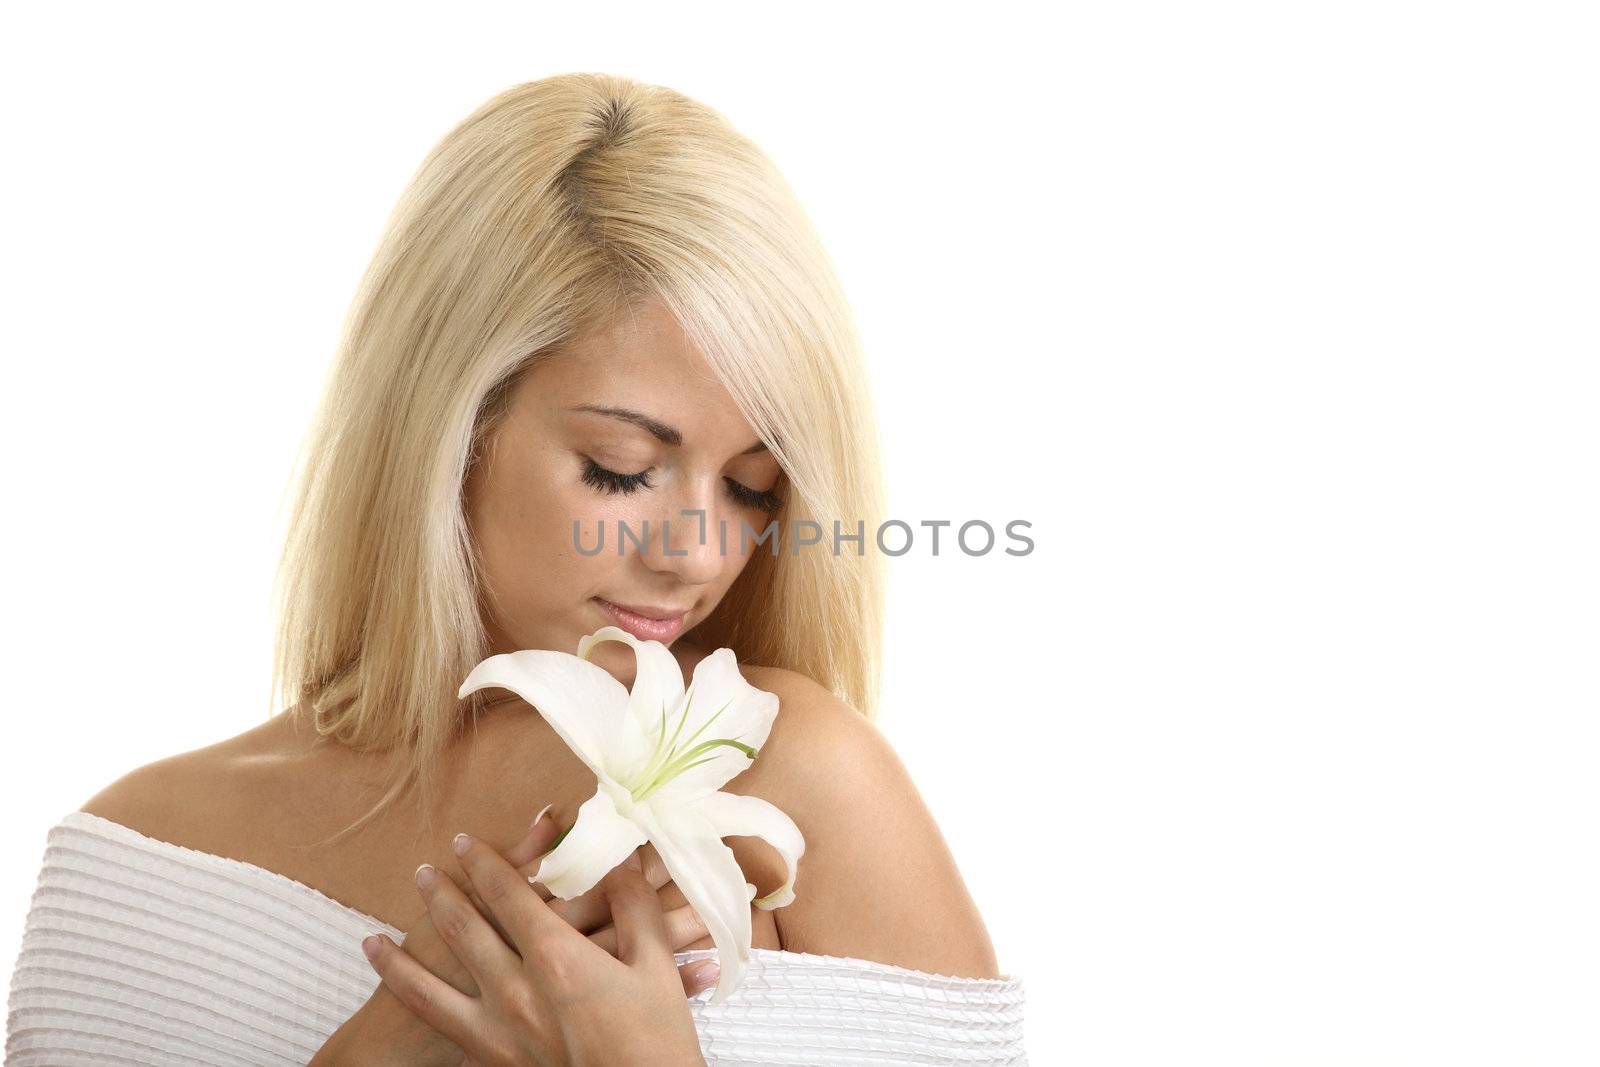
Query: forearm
384, 1034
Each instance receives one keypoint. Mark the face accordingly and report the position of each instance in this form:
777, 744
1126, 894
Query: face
567, 450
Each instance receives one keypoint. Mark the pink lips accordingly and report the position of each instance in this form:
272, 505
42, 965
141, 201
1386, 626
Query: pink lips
645, 623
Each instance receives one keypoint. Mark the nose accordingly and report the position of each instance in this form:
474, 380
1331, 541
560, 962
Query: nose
685, 543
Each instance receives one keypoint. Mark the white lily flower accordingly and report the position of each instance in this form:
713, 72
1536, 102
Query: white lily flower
659, 775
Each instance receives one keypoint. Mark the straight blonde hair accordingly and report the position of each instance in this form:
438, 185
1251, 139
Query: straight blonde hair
551, 207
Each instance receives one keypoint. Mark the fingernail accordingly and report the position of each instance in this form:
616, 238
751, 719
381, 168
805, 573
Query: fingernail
706, 976
425, 875
370, 946
461, 844
539, 816
634, 861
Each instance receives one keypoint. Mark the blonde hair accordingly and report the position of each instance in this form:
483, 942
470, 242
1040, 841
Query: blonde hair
554, 205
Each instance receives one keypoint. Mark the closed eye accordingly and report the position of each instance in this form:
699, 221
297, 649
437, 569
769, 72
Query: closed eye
610, 481
762, 500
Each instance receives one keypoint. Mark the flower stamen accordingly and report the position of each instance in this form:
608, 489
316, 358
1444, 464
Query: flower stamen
670, 758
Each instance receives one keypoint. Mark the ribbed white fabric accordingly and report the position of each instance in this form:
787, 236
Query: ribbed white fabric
140, 951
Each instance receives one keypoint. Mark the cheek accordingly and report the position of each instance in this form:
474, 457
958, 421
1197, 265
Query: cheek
583, 518
526, 541
568, 518
733, 560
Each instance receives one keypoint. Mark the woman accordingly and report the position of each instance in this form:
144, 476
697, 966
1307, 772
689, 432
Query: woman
597, 305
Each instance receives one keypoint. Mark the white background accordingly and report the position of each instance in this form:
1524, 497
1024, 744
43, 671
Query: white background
1277, 321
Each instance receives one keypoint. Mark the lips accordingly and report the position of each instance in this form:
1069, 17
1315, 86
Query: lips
646, 622
647, 611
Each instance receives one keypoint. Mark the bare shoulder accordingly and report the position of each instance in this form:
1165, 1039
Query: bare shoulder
814, 725
190, 797
877, 880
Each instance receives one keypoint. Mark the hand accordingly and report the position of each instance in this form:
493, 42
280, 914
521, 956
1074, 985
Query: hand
384, 1031
550, 997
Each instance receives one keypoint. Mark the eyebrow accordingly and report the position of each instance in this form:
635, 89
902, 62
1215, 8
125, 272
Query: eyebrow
664, 433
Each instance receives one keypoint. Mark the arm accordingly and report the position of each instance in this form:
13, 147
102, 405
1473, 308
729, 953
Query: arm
870, 840
387, 1030
549, 995
384, 1032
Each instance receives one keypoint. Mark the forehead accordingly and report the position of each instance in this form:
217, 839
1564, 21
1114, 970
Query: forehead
642, 348
643, 360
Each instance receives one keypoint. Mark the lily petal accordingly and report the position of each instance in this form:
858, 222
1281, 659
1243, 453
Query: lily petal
711, 880
737, 815
658, 680
598, 841
581, 701
722, 705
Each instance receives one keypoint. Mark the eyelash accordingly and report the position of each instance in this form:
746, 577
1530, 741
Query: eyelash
608, 481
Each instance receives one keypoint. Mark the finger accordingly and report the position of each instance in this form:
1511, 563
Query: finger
488, 916
585, 913
684, 928
636, 914
655, 871
590, 911
424, 994
698, 976
541, 833
474, 942
520, 912
525, 855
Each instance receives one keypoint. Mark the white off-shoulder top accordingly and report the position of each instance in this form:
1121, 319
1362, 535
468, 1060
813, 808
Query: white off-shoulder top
140, 951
